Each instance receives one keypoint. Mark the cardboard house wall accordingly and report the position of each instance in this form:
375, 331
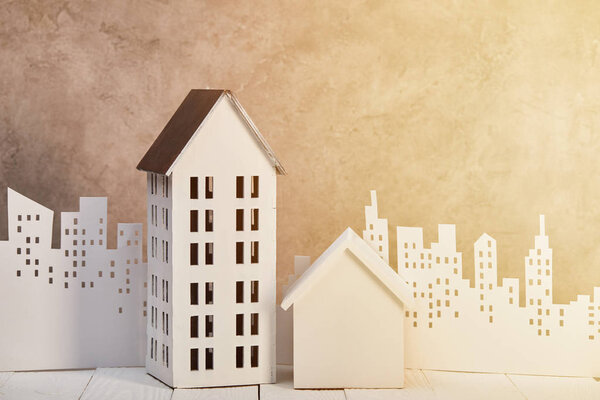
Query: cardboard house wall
353, 339
213, 265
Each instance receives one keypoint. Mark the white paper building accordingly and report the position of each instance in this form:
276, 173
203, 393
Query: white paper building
211, 246
348, 325
454, 326
78, 306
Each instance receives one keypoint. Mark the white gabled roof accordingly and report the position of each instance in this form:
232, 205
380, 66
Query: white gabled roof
351, 241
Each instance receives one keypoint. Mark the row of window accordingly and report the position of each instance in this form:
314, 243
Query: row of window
154, 320
20, 217
209, 325
209, 358
165, 288
209, 220
154, 184
154, 216
209, 292
164, 248
154, 352
209, 187
209, 253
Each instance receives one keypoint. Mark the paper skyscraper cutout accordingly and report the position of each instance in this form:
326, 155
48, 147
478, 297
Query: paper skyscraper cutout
483, 329
79, 306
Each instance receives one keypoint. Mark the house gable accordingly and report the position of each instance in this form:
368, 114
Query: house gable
184, 125
350, 242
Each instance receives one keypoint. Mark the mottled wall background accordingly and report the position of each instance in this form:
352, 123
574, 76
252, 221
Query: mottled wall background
482, 114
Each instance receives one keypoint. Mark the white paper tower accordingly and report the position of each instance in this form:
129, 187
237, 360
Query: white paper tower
456, 327
376, 232
211, 246
79, 306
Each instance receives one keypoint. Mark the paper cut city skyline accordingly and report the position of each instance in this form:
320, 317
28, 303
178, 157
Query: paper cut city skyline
483, 329
78, 306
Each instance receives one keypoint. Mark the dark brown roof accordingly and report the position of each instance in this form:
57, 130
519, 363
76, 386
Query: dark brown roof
184, 123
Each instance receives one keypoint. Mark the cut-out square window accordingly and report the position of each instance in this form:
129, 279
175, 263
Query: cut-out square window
18, 272
239, 252
239, 292
193, 220
208, 220
194, 359
254, 252
254, 291
254, 219
194, 326
239, 220
194, 192
50, 281
254, 187
239, 187
208, 326
239, 324
208, 253
208, 187
254, 323
208, 293
239, 357
253, 356
193, 253
208, 357
193, 293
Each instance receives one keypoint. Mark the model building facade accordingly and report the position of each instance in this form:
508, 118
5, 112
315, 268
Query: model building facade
211, 246
347, 329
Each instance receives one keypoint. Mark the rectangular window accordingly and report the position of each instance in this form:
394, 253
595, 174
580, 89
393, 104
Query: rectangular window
254, 291
194, 359
239, 324
208, 358
208, 293
239, 252
208, 326
194, 326
239, 187
208, 253
239, 357
254, 252
151, 348
254, 324
208, 187
254, 187
239, 292
167, 226
167, 251
167, 353
253, 356
167, 292
193, 253
167, 195
167, 324
194, 194
239, 220
193, 293
208, 220
193, 220
254, 219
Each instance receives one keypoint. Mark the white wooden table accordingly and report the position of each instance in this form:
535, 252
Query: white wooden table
134, 383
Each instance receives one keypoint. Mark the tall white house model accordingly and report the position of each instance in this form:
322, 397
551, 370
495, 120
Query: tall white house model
211, 246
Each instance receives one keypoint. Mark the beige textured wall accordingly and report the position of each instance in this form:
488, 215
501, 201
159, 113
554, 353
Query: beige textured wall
482, 114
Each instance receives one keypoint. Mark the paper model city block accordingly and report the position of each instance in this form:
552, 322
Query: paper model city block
348, 325
455, 326
78, 306
211, 246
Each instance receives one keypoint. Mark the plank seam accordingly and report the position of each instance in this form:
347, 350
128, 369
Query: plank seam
516, 387
87, 384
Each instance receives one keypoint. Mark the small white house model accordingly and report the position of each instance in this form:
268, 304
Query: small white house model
347, 333
211, 246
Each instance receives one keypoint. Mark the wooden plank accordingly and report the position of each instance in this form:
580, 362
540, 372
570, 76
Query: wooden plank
225, 393
125, 383
552, 387
477, 386
46, 385
4, 377
416, 387
284, 389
